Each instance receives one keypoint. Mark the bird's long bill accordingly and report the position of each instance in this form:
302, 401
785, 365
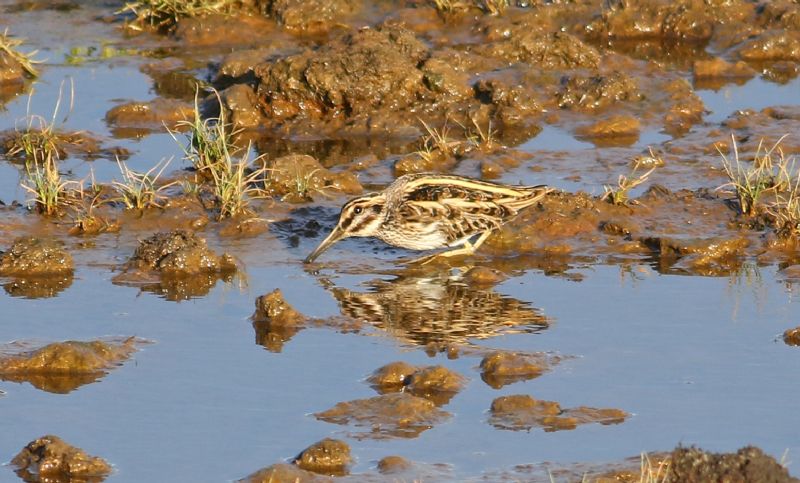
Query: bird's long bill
336, 235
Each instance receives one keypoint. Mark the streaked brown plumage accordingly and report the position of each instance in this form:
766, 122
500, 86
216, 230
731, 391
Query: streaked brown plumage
428, 211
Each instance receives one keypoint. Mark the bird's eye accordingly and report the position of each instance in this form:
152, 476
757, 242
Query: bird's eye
357, 210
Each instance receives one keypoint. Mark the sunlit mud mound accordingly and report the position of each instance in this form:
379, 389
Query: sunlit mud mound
37, 268
437, 384
327, 457
424, 310
51, 459
62, 367
177, 265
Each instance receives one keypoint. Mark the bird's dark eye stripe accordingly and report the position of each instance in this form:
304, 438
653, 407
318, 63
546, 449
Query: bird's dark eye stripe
377, 209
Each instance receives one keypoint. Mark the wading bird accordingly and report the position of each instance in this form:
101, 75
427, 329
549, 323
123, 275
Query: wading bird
428, 211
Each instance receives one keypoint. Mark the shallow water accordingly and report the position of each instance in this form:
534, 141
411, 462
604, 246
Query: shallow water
695, 360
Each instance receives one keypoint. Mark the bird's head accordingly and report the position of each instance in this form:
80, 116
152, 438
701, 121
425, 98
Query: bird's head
362, 216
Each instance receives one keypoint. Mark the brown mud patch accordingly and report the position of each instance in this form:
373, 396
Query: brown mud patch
51, 459
62, 367
523, 412
396, 415
177, 264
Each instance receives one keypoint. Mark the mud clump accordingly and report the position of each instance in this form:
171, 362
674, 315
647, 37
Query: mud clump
369, 69
178, 253
390, 415
389, 465
328, 457
64, 366
438, 384
435, 383
522, 412
597, 92
49, 458
298, 176
29, 256
545, 50
707, 256
275, 321
177, 265
392, 376
792, 336
284, 473
39, 267
693, 465
137, 117
619, 129
501, 368
311, 16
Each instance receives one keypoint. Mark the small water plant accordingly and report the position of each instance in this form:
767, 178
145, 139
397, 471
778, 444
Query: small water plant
620, 194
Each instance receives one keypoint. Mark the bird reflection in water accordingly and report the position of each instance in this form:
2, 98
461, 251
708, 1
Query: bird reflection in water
443, 310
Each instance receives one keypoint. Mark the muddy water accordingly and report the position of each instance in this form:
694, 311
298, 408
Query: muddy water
692, 359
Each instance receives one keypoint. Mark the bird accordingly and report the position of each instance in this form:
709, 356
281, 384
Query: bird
427, 211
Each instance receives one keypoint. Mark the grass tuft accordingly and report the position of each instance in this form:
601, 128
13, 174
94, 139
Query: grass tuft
26, 61
139, 191
620, 194
785, 209
210, 149
164, 14
750, 181
40, 139
45, 183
